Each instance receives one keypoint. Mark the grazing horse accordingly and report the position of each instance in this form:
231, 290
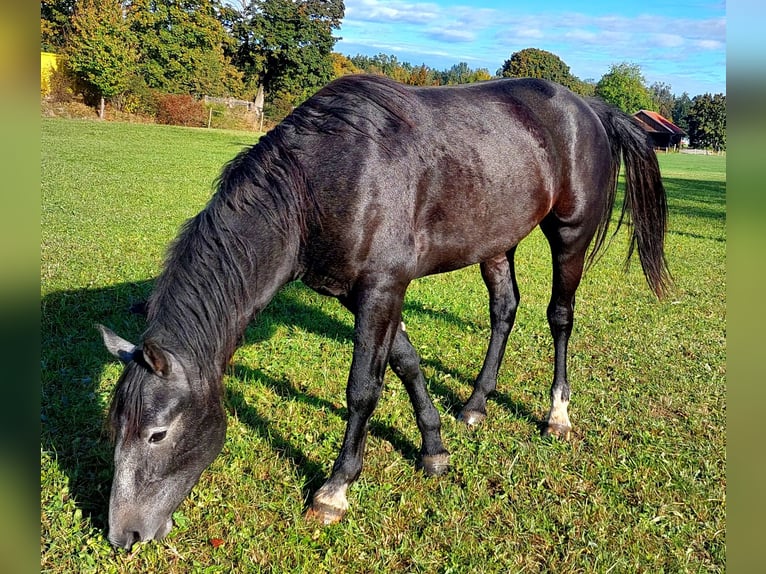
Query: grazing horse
366, 186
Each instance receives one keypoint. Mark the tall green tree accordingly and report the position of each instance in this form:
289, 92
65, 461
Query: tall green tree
681, 107
624, 86
286, 45
102, 51
183, 46
663, 99
707, 122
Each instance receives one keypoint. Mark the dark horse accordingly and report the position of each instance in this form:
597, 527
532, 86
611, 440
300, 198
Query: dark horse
363, 188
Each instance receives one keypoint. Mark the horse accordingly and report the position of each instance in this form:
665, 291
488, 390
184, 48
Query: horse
363, 188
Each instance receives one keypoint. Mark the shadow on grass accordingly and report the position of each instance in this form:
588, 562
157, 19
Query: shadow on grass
699, 200
73, 406
311, 472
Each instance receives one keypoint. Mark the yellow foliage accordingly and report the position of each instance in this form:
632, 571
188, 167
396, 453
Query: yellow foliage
48, 63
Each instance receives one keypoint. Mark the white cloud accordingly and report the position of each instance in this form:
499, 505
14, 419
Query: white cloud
582, 36
530, 33
709, 44
451, 35
380, 11
668, 40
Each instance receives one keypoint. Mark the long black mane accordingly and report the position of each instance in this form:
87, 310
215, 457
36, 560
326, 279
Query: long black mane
211, 270
201, 301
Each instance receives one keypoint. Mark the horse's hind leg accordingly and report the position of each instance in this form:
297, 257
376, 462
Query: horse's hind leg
404, 361
568, 249
500, 278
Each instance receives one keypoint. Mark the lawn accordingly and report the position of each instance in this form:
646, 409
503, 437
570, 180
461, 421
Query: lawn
640, 487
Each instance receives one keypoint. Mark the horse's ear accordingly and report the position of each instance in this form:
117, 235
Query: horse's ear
116, 345
156, 359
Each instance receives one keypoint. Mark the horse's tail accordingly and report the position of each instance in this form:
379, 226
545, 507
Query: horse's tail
645, 203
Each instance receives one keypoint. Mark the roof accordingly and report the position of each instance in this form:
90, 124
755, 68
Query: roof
654, 122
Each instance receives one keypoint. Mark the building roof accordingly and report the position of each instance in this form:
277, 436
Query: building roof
654, 122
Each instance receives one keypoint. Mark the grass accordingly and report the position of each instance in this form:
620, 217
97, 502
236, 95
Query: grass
640, 487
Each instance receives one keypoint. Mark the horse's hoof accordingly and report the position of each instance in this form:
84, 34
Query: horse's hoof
435, 464
325, 514
471, 418
557, 431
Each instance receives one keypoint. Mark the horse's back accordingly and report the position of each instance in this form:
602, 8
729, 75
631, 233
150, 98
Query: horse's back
433, 179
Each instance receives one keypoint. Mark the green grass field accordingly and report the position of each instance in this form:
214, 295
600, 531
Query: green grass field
640, 487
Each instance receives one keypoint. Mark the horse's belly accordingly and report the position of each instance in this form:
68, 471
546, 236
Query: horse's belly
468, 245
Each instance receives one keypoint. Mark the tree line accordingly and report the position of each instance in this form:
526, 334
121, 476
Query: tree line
126, 52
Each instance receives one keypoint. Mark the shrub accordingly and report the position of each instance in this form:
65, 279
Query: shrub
279, 105
62, 85
180, 110
138, 99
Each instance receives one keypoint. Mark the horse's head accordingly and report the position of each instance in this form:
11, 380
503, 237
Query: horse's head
166, 432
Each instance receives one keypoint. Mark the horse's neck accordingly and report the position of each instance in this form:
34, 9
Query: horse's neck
203, 307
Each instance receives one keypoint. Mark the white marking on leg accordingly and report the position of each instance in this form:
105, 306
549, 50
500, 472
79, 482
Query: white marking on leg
558, 413
332, 497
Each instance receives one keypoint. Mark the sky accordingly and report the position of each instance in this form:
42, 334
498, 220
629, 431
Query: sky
679, 43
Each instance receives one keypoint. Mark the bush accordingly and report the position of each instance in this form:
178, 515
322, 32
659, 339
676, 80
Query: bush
62, 85
180, 110
279, 105
138, 99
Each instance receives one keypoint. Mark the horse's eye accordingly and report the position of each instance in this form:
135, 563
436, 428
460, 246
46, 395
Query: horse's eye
158, 436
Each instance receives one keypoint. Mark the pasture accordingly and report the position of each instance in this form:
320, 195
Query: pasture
640, 486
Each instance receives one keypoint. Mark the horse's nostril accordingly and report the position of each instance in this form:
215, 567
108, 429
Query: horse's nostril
125, 540
131, 537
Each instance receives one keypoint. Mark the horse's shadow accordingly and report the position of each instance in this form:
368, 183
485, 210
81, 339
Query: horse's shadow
73, 404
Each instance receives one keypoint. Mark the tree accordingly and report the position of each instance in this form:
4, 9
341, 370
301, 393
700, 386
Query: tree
662, 98
681, 107
707, 122
55, 23
462, 74
101, 49
342, 65
183, 45
536, 63
286, 45
422, 76
624, 86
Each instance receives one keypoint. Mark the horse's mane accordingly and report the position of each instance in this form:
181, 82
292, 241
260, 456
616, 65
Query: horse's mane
201, 301
374, 107
127, 402
211, 268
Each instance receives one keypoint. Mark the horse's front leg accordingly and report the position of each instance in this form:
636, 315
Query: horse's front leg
377, 313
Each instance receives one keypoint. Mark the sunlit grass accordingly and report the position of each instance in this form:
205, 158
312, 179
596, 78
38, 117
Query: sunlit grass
639, 488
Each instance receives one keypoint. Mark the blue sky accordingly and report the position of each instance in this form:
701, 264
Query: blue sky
681, 43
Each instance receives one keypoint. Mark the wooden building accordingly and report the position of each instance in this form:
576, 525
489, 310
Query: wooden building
664, 133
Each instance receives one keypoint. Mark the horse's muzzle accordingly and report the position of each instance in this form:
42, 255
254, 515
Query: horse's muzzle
127, 536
